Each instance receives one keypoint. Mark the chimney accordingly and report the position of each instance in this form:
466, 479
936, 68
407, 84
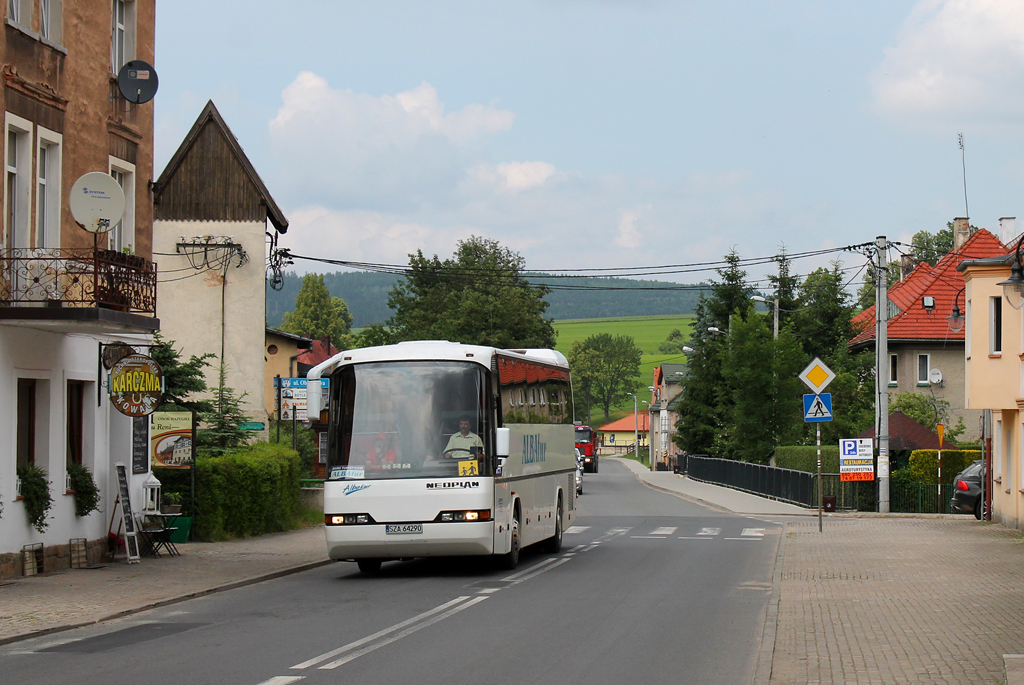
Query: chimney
961, 232
1007, 229
906, 266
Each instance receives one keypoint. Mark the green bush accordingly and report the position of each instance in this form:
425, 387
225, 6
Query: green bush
306, 441
87, 495
924, 464
805, 458
249, 491
177, 482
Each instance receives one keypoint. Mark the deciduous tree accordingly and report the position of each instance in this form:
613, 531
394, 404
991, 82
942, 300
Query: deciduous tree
608, 368
317, 314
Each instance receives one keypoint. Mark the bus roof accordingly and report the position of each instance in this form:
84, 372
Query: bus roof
435, 350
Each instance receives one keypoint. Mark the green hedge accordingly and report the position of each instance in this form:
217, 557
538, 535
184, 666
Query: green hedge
924, 464
805, 458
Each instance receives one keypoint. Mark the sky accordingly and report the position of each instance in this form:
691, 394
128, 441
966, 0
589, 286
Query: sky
608, 133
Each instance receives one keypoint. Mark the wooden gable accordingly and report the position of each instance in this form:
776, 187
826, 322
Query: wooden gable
209, 178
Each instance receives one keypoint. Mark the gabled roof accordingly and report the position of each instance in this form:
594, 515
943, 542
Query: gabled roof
211, 117
317, 353
906, 434
626, 423
943, 282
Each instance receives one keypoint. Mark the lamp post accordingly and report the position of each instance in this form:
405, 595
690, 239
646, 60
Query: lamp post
955, 318
650, 455
775, 306
1013, 287
636, 429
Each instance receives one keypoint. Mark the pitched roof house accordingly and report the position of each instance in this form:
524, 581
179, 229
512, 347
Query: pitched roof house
919, 337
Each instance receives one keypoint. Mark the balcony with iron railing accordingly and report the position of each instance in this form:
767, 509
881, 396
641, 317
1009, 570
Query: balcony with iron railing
78, 284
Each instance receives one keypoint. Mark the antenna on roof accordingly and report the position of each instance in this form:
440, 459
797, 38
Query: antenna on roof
963, 162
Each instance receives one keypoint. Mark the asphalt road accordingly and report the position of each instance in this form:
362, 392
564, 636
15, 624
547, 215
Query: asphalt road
648, 588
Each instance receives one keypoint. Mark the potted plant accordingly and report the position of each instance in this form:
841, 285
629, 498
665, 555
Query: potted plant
171, 503
87, 495
35, 493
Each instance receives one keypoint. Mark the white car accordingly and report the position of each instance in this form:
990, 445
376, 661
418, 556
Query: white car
579, 472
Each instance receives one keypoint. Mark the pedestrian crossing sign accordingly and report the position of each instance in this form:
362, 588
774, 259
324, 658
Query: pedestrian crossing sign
818, 408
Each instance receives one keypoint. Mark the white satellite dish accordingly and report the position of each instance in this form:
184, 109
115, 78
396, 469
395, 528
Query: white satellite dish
97, 202
935, 376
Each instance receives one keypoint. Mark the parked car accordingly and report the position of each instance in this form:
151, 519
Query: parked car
579, 472
967, 490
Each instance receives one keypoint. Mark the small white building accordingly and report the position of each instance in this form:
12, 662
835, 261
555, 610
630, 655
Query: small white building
210, 239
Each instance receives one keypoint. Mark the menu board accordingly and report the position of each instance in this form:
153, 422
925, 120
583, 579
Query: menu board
131, 543
140, 444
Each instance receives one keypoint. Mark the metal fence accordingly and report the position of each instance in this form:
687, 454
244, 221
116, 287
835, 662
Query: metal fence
801, 487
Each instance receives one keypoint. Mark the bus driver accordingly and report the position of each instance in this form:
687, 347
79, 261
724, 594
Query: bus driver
463, 443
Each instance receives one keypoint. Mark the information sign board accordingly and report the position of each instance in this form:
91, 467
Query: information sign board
171, 441
293, 397
856, 459
140, 444
131, 543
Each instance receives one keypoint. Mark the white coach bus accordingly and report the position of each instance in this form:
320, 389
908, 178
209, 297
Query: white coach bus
443, 449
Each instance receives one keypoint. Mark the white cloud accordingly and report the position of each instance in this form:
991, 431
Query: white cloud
513, 176
629, 236
955, 60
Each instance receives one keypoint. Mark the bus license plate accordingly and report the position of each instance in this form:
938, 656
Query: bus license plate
403, 528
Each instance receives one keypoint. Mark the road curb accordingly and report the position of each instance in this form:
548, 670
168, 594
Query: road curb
172, 600
766, 652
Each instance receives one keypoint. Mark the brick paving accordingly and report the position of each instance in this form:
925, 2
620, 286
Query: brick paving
76, 596
897, 600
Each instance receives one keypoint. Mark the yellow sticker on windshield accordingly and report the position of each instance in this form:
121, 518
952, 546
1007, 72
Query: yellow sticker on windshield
468, 468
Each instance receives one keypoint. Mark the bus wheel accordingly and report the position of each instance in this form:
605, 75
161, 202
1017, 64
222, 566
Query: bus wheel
369, 566
511, 560
554, 543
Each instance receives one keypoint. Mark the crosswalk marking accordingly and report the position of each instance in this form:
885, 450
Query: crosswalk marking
710, 531
572, 530
282, 679
664, 531
753, 532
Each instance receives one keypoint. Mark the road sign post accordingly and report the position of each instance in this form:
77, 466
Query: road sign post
942, 432
818, 408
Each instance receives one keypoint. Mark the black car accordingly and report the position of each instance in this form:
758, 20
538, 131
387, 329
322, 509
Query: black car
967, 490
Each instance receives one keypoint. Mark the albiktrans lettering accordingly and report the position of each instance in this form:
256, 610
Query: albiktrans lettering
534, 449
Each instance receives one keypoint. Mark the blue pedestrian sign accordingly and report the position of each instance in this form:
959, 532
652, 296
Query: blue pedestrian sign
818, 408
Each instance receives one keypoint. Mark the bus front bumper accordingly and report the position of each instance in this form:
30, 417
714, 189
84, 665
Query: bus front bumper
436, 540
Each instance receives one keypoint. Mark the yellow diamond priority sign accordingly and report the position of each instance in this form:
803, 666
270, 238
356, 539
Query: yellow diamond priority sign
817, 376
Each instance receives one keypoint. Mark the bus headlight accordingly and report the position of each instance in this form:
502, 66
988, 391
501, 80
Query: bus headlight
347, 519
459, 516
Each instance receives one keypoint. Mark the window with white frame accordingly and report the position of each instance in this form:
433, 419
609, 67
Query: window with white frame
923, 368
17, 181
122, 236
123, 33
19, 11
48, 172
50, 19
995, 325
893, 375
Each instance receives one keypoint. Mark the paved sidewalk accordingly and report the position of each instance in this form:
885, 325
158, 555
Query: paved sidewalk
63, 599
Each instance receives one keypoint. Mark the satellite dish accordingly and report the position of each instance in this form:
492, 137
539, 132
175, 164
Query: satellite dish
935, 376
97, 202
137, 81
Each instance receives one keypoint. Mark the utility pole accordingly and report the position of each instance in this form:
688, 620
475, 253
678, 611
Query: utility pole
882, 370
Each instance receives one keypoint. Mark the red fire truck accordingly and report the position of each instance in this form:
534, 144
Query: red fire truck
586, 443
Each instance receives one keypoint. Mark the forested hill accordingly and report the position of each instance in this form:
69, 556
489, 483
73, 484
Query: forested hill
366, 295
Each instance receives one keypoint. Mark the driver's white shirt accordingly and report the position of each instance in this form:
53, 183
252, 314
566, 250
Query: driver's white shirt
460, 442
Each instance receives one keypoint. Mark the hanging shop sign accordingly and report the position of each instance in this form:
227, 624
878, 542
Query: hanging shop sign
171, 439
136, 385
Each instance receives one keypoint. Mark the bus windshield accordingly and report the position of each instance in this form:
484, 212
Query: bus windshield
408, 419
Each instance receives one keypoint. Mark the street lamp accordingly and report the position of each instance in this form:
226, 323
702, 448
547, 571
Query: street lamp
650, 454
713, 329
686, 350
636, 429
1013, 287
775, 305
956, 319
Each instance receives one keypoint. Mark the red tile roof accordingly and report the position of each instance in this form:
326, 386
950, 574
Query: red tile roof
317, 353
626, 423
943, 282
907, 434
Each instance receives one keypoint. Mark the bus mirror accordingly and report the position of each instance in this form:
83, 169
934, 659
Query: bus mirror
502, 441
313, 400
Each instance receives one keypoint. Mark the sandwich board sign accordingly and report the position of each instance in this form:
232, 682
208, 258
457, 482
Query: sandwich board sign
856, 459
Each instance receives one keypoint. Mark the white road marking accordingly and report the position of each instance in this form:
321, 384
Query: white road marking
398, 626
753, 532
709, 531
282, 679
695, 538
398, 636
543, 569
647, 537
668, 530
572, 530
747, 539
487, 590
516, 576
577, 548
588, 548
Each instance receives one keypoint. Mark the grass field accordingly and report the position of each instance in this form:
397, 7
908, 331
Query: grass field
648, 331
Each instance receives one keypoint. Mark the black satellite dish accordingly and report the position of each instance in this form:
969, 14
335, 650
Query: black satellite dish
137, 81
